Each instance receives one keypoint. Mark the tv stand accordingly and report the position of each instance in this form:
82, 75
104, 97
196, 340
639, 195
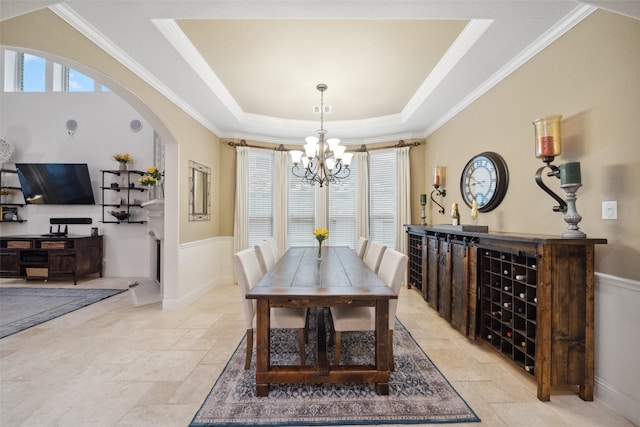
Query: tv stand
50, 257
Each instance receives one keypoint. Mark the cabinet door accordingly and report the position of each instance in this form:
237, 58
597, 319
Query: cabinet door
444, 280
9, 263
432, 272
459, 287
62, 262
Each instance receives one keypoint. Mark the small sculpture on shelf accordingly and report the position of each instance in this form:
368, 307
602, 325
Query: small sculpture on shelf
120, 215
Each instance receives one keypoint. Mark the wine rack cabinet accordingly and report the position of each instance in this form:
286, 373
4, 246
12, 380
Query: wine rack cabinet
415, 261
508, 305
529, 297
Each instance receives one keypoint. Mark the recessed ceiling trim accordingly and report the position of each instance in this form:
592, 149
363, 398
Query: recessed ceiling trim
555, 32
67, 14
465, 40
183, 46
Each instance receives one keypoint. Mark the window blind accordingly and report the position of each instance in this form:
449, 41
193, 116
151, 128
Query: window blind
342, 210
382, 197
301, 212
261, 165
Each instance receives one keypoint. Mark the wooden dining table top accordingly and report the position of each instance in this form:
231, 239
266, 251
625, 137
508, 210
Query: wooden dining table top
340, 273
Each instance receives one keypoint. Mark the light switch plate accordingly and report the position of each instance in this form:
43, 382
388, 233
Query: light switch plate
610, 210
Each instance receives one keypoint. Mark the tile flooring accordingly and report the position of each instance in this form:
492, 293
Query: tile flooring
113, 364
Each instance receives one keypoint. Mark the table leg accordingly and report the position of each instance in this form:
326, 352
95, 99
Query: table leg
321, 356
382, 345
262, 347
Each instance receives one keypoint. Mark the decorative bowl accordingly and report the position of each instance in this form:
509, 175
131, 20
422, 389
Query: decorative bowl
120, 215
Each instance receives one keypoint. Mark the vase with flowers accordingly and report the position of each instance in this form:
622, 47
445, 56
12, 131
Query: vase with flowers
154, 173
122, 159
321, 234
149, 182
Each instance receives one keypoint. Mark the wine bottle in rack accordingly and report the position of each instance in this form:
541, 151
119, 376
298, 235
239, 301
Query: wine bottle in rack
510, 334
489, 336
505, 272
523, 295
496, 313
507, 304
520, 276
507, 288
529, 368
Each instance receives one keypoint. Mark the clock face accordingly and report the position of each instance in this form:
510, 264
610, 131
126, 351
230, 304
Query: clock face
484, 179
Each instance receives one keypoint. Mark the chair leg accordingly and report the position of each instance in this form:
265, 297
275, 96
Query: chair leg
392, 365
337, 340
247, 360
302, 337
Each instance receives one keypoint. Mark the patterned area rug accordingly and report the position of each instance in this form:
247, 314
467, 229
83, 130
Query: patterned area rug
22, 308
419, 393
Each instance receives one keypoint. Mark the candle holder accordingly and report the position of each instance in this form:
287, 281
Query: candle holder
441, 193
555, 171
437, 178
572, 217
423, 215
547, 146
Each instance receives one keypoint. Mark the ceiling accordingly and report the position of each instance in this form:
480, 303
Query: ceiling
395, 69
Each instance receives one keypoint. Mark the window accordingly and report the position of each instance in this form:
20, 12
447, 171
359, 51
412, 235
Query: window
301, 212
382, 197
78, 82
261, 164
24, 72
342, 210
31, 72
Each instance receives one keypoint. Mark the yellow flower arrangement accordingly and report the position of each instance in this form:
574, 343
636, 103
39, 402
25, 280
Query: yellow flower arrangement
147, 181
155, 173
321, 234
5, 192
123, 158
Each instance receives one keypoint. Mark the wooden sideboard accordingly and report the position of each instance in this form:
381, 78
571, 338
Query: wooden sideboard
50, 257
529, 297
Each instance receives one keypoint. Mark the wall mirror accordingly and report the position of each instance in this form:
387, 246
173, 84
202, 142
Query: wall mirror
199, 198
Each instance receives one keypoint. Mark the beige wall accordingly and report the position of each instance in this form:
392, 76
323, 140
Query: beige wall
591, 76
43, 31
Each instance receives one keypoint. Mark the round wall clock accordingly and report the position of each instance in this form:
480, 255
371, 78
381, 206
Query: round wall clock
484, 179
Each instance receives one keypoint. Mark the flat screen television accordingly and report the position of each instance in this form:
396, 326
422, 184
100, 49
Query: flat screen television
55, 183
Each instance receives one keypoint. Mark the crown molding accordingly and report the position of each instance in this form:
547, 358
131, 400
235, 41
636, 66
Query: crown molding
67, 14
568, 22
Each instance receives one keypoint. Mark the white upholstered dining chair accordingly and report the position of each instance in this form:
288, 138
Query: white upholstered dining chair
266, 257
373, 255
248, 273
361, 246
350, 318
273, 244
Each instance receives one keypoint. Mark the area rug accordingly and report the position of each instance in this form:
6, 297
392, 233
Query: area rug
22, 308
419, 393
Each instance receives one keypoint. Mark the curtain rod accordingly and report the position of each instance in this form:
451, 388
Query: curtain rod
363, 148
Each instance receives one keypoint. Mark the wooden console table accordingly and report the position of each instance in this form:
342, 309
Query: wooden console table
50, 257
530, 297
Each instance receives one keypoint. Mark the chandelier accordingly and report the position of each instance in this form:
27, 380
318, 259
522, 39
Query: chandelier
324, 162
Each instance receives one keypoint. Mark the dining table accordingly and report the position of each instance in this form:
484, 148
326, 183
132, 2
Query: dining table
339, 278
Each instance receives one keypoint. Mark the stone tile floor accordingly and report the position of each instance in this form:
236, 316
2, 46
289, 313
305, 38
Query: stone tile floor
113, 364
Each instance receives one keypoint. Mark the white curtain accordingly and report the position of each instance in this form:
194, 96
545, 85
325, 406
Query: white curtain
362, 195
403, 210
281, 199
241, 217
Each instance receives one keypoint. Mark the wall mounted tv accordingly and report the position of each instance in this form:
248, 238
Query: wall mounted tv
55, 183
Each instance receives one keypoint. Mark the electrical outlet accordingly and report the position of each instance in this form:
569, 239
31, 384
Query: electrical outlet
610, 210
